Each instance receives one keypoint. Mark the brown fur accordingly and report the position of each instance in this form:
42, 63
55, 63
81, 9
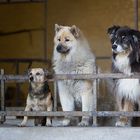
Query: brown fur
39, 97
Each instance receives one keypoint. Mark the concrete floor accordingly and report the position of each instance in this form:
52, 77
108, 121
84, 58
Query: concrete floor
69, 133
10, 131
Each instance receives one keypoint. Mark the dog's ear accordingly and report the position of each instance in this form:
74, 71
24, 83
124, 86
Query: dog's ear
45, 71
112, 30
57, 28
28, 71
75, 31
135, 38
136, 45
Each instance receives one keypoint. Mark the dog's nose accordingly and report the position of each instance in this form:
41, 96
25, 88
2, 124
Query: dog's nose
114, 47
59, 48
31, 78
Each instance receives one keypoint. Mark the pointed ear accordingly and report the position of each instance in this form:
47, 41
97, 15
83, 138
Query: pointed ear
135, 38
57, 27
28, 71
112, 30
75, 31
45, 71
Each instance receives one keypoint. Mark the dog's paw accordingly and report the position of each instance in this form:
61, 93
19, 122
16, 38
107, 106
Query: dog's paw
83, 123
66, 122
130, 74
122, 124
21, 125
48, 124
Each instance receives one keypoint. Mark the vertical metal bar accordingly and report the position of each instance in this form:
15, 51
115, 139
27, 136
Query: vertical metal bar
45, 31
2, 97
95, 98
55, 99
55, 95
17, 85
136, 14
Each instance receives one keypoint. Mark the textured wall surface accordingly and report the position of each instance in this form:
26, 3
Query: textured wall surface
93, 17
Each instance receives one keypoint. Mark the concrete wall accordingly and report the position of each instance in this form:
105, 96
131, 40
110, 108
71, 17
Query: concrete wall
93, 17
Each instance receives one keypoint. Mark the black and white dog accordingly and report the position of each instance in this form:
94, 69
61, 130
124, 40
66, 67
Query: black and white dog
126, 59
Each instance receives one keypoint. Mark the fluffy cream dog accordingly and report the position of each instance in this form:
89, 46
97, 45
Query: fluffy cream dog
72, 55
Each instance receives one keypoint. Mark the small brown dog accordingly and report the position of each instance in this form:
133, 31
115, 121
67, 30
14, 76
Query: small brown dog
39, 97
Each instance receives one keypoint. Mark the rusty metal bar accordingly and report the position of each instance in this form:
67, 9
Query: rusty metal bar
24, 60
23, 78
2, 97
95, 98
95, 76
71, 113
19, 1
45, 31
55, 95
136, 14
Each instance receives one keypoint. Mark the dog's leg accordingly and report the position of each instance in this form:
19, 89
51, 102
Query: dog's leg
87, 105
124, 105
23, 123
67, 101
48, 119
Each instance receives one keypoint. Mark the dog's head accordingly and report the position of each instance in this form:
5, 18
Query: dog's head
37, 75
65, 38
125, 41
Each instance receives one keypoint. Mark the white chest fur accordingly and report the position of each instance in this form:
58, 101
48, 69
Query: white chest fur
121, 62
129, 88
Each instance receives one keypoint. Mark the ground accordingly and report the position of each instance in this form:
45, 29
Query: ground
10, 131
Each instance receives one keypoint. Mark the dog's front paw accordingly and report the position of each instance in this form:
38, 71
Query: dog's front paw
122, 124
130, 74
48, 124
83, 123
66, 122
22, 125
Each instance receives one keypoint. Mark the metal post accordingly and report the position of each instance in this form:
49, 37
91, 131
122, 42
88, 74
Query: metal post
45, 30
2, 97
136, 14
55, 95
17, 86
55, 99
95, 98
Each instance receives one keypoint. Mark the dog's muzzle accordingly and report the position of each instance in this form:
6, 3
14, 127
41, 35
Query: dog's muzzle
114, 47
62, 49
31, 79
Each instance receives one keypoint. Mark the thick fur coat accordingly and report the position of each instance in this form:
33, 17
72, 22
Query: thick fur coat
125, 59
72, 55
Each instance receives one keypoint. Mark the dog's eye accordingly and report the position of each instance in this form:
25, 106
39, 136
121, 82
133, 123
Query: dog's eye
124, 38
37, 73
67, 40
59, 39
30, 73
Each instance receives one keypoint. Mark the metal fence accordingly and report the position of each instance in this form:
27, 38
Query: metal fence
54, 78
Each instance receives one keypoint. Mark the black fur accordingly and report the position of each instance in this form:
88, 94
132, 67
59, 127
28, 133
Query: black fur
131, 38
40, 93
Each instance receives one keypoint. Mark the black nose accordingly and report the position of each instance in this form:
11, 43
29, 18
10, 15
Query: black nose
59, 48
31, 78
114, 47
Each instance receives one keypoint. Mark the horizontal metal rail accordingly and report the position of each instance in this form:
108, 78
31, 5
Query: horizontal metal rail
70, 113
20, 1
22, 78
